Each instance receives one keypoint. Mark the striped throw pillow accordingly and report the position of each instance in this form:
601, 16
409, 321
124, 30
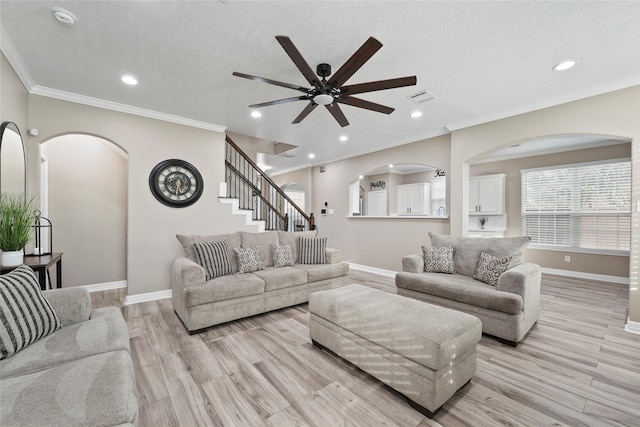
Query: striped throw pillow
214, 258
312, 250
25, 314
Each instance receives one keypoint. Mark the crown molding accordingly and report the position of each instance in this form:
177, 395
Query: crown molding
123, 108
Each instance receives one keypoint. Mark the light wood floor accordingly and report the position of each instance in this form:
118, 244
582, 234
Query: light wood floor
577, 367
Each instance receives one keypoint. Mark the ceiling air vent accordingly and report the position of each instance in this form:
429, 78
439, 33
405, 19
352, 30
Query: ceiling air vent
422, 96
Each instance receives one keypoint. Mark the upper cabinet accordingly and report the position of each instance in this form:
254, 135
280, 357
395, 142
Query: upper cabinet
486, 194
414, 199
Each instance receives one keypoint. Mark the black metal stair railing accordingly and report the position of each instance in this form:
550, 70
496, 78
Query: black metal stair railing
255, 191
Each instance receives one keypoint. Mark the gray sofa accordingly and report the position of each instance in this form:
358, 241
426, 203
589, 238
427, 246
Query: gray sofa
81, 375
200, 303
507, 310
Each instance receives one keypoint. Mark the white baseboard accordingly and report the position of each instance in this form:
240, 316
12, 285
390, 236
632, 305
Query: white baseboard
374, 270
149, 296
633, 327
106, 286
588, 276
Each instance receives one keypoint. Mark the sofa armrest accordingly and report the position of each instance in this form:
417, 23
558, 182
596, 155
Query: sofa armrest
333, 256
72, 305
185, 272
413, 263
524, 280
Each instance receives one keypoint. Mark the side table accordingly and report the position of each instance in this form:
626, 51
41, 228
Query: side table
41, 264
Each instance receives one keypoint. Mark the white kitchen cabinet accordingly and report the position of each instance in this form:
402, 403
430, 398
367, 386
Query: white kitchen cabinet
413, 199
486, 194
377, 203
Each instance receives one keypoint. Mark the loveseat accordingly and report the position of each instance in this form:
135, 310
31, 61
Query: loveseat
485, 277
232, 276
79, 375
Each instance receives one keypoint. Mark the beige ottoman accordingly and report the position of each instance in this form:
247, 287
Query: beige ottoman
421, 350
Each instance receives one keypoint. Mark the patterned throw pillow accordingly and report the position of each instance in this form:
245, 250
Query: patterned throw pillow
282, 255
249, 259
490, 268
438, 260
25, 314
312, 250
212, 256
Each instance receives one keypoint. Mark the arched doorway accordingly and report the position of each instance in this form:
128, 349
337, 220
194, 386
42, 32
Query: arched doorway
84, 194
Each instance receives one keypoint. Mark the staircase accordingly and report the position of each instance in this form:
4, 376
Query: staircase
256, 192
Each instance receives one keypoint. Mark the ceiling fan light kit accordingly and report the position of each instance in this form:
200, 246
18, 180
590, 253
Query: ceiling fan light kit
333, 92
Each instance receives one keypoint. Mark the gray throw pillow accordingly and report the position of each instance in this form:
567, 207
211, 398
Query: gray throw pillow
282, 255
490, 268
312, 250
25, 314
249, 259
212, 256
438, 260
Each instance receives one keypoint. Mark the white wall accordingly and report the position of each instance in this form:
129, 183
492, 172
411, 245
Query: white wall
87, 206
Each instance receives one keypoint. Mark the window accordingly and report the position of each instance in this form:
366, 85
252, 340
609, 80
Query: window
583, 207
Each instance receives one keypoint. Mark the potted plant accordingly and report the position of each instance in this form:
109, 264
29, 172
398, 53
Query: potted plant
483, 220
16, 219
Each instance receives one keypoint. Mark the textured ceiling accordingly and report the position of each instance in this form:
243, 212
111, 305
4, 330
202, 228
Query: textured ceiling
482, 61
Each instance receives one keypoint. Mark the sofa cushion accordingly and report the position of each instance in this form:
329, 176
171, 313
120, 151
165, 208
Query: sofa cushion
99, 390
490, 268
438, 260
312, 250
291, 239
223, 288
467, 250
214, 258
25, 314
317, 272
282, 255
264, 240
249, 259
105, 331
461, 288
233, 241
283, 277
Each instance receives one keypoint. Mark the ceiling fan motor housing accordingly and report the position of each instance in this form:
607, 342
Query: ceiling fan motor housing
323, 70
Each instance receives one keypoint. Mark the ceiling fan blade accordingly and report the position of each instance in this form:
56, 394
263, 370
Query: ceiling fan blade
298, 60
354, 63
271, 82
368, 105
308, 109
378, 85
278, 101
337, 114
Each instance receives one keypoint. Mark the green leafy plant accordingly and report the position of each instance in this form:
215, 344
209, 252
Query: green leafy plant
16, 219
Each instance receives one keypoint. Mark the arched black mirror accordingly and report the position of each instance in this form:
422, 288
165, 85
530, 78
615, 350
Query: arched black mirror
13, 178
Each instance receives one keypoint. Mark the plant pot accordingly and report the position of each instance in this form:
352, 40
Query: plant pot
12, 258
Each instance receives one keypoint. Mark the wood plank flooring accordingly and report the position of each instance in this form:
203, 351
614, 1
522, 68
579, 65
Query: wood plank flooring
577, 367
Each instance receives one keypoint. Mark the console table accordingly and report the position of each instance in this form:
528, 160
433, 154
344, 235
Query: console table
41, 264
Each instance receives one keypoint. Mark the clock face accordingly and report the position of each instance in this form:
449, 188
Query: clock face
176, 183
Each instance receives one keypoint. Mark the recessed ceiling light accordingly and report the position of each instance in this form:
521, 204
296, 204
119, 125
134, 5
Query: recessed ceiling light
343, 138
361, 176
130, 80
390, 166
565, 65
416, 114
256, 114
63, 16
311, 155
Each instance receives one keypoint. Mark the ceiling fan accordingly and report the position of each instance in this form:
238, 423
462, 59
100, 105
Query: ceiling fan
331, 92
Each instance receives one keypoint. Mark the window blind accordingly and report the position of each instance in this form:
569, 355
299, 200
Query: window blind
584, 206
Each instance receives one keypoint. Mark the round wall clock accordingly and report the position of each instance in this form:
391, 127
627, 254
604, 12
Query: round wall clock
176, 183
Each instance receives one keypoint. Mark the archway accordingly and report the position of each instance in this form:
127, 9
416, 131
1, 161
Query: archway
84, 194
